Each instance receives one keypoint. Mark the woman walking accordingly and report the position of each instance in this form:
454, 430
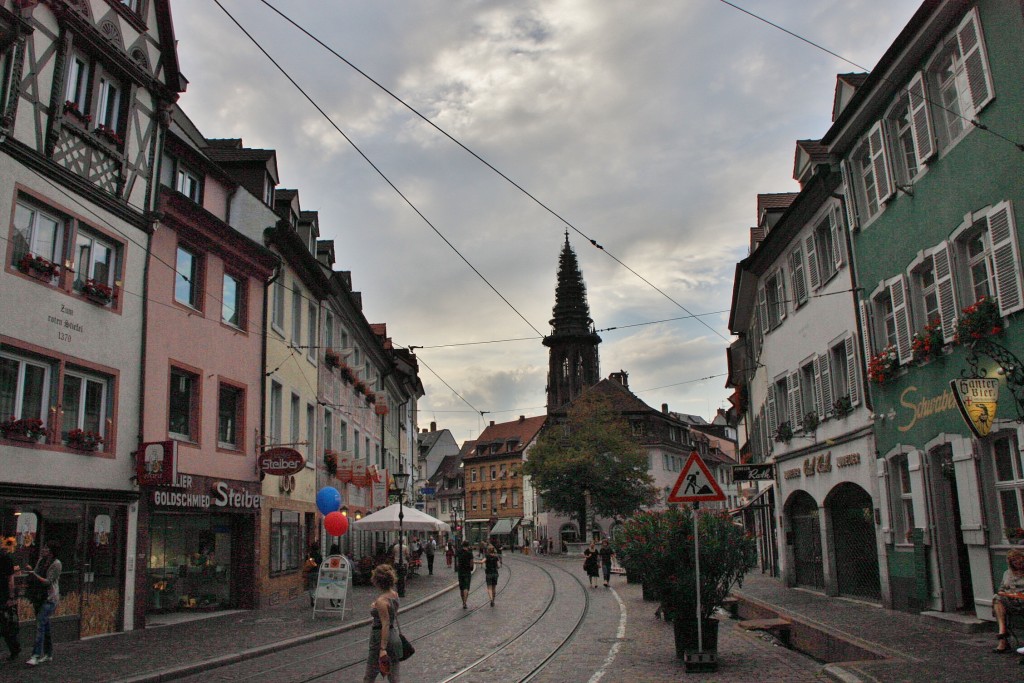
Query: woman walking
385, 642
491, 562
449, 553
590, 563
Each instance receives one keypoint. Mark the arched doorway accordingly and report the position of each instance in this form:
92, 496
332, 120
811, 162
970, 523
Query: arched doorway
805, 537
568, 534
853, 541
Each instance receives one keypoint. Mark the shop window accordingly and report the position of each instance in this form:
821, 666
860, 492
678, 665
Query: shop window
183, 406
230, 416
189, 562
233, 301
1009, 477
286, 541
188, 278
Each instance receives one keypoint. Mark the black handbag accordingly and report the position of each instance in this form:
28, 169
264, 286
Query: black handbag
407, 649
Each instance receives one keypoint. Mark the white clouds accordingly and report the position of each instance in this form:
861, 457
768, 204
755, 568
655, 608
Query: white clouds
650, 129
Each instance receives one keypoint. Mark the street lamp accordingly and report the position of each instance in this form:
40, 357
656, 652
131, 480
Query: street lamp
401, 479
456, 509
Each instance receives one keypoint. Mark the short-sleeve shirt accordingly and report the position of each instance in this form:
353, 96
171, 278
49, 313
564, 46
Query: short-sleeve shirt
606, 554
465, 561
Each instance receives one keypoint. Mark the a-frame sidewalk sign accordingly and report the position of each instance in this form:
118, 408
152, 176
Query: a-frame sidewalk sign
698, 486
695, 484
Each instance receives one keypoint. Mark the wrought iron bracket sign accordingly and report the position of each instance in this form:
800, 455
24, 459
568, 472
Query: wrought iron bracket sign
1009, 363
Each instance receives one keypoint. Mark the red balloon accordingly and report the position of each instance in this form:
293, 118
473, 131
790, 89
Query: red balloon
336, 523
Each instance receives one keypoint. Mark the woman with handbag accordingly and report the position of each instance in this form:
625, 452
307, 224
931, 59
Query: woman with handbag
385, 640
46, 576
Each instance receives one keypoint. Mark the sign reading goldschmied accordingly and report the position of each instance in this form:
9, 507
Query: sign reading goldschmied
977, 399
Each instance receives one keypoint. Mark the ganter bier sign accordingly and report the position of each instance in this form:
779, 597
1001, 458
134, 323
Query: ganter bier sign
977, 399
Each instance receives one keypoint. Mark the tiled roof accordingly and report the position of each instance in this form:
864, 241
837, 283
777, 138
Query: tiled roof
778, 200
447, 469
815, 150
622, 399
517, 434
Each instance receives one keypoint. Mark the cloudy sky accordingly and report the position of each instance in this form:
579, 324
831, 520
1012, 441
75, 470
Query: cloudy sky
649, 127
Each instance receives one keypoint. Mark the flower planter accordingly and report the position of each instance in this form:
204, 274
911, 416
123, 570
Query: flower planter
99, 299
685, 631
24, 438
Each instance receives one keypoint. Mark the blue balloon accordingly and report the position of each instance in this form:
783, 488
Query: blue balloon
328, 500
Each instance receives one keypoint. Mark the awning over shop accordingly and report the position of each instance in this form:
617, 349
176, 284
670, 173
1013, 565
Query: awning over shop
758, 501
504, 526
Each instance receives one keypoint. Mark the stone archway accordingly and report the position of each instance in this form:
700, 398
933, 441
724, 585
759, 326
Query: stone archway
804, 523
852, 527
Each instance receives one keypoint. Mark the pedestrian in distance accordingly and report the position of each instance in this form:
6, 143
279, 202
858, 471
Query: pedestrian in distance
590, 562
1010, 597
606, 554
491, 562
385, 642
449, 553
8, 601
429, 547
45, 576
464, 568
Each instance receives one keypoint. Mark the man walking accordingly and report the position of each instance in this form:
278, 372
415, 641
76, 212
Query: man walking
464, 568
428, 549
606, 554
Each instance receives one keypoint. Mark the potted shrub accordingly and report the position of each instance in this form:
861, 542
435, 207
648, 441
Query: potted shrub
82, 440
784, 432
883, 365
810, 421
29, 430
639, 542
979, 320
927, 343
842, 406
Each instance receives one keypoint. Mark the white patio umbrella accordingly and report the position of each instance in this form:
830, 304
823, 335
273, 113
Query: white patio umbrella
387, 520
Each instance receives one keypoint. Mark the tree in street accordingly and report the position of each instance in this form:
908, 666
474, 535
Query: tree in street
592, 451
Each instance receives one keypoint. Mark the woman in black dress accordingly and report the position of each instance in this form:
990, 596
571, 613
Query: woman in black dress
591, 561
491, 562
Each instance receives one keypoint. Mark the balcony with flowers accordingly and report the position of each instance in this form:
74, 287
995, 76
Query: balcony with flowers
978, 321
27, 430
884, 365
927, 343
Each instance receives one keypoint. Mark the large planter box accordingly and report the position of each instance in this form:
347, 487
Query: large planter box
685, 631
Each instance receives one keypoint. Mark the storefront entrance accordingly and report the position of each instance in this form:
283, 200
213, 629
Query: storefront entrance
853, 539
953, 564
805, 537
190, 562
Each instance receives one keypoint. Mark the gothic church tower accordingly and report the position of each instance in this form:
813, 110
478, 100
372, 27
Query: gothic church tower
573, 362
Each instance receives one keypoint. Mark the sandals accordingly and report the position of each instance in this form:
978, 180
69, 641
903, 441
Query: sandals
1001, 639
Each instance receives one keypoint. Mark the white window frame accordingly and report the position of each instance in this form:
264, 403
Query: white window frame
239, 414
277, 310
194, 279
1001, 257
108, 103
19, 388
87, 240
85, 378
77, 89
296, 316
187, 182
55, 252
194, 420
237, 305
274, 416
312, 332
1014, 485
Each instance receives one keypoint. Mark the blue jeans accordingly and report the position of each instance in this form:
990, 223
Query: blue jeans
44, 644
607, 571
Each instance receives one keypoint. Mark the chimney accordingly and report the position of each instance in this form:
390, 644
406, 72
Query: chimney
522, 418
433, 426
492, 423
622, 377
664, 408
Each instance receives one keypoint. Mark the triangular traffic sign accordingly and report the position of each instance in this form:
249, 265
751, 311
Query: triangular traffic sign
695, 484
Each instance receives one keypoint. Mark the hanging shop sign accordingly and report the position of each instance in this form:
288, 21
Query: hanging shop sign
281, 461
977, 399
759, 472
156, 463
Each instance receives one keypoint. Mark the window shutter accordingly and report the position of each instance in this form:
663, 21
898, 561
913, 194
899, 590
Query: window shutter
793, 384
880, 162
773, 418
921, 120
972, 47
780, 292
851, 371
835, 222
1006, 257
819, 401
942, 258
866, 328
812, 261
849, 196
901, 313
762, 309
796, 267
826, 382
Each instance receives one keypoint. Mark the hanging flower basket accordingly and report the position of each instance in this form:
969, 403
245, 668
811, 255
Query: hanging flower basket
332, 359
331, 462
98, 292
361, 388
979, 320
84, 441
371, 397
784, 432
346, 373
882, 366
810, 421
29, 430
927, 343
38, 267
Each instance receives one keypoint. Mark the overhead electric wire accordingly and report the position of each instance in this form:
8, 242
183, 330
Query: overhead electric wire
479, 158
373, 165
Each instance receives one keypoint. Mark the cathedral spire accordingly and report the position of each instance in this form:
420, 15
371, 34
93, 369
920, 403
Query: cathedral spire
573, 362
